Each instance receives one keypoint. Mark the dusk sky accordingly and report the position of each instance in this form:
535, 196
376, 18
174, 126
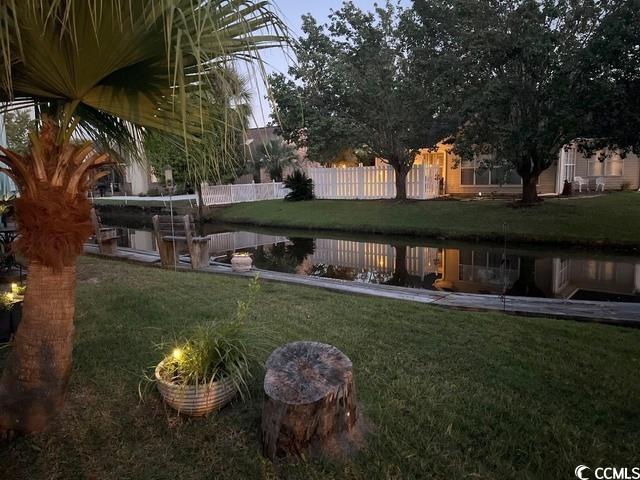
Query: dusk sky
291, 12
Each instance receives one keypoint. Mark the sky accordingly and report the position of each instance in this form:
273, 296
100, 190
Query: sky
276, 60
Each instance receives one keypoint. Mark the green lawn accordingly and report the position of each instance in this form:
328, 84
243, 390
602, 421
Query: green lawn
450, 394
611, 219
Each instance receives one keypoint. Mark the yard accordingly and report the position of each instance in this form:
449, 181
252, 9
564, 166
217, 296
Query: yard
609, 220
449, 394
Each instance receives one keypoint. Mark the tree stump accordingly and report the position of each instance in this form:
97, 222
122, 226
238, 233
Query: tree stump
309, 399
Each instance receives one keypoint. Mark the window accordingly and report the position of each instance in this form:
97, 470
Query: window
610, 167
570, 164
476, 173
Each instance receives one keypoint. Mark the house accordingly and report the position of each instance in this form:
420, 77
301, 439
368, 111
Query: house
7, 187
470, 178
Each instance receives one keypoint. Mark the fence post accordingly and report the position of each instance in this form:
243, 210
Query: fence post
232, 190
422, 178
275, 189
391, 178
334, 182
361, 194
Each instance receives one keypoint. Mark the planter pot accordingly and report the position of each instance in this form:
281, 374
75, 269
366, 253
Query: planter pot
241, 263
195, 401
9, 321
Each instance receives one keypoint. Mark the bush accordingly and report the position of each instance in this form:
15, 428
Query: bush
301, 186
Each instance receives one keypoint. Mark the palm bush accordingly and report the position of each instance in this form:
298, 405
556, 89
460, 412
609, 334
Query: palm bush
98, 74
301, 186
275, 156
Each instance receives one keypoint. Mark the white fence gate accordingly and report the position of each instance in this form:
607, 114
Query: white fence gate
373, 182
250, 192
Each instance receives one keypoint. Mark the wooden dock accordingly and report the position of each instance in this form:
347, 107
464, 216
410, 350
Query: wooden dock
616, 313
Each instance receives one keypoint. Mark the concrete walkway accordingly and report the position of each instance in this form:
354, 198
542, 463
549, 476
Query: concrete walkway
617, 313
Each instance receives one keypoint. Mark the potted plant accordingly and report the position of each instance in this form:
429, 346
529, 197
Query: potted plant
241, 262
207, 370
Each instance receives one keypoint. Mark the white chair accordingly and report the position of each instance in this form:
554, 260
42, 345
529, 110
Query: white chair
581, 181
600, 183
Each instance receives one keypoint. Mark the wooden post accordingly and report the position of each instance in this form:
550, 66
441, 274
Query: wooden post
309, 399
275, 189
360, 170
422, 180
199, 252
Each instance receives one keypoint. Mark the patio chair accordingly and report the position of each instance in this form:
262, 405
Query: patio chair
581, 181
172, 233
600, 183
106, 237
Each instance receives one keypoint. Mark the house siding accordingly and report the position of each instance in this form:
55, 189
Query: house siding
546, 183
630, 177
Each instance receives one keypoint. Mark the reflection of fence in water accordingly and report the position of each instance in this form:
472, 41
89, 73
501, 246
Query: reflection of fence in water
420, 261
232, 241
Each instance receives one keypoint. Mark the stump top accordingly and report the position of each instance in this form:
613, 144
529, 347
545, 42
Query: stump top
305, 372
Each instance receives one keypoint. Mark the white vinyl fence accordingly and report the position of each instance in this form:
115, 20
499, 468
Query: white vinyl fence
373, 182
250, 192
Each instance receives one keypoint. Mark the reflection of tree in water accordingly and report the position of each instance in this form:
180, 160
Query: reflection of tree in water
525, 285
401, 276
282, 257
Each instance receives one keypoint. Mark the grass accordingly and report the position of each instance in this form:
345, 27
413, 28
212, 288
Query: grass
450, 394
612, 220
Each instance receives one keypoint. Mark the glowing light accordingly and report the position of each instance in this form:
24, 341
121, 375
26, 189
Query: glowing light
10, 296
14, 287
177, 354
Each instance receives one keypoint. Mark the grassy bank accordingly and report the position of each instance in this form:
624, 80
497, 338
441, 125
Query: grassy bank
610, 220
450, 394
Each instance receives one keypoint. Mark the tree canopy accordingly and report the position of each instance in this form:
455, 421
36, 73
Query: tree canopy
528, 77
354, 87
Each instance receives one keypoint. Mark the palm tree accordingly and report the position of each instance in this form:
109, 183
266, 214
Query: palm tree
97, 73
275, 156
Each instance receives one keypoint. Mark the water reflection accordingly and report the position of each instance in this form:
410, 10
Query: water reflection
467, 268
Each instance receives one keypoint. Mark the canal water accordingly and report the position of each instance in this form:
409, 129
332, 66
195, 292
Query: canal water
426, 264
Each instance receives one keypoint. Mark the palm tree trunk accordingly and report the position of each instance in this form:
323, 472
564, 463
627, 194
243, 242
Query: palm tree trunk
35, 379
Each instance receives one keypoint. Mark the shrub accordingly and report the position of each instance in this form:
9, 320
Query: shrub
301, 186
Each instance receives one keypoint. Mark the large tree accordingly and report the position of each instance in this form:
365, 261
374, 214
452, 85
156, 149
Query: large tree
353, 87
98, 70
523, 76
17, 126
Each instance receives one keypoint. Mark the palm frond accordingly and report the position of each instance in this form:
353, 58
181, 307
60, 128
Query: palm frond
108, 66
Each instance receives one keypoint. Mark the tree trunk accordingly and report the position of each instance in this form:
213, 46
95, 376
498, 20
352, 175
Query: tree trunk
309, 400
35, 379
530, 190
401, 182
54, 220
200, 201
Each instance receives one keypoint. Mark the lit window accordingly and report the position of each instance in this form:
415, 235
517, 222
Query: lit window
610, 167
476, 173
